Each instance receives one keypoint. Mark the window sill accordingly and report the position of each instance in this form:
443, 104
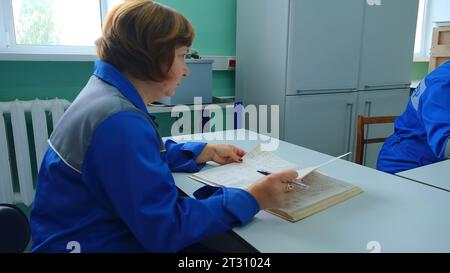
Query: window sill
220, 63
47, 57
421, 59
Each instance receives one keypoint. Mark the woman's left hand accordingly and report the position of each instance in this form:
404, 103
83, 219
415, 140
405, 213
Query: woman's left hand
220, 153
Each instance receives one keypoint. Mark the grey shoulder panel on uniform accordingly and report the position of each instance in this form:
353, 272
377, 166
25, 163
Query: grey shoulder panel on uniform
73, 133
415, 97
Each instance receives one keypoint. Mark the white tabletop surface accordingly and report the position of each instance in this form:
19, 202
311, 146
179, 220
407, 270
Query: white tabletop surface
393, 213
437, 174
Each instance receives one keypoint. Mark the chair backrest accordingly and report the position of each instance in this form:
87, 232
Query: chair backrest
360, 138
19, 140
440, 47
15, 231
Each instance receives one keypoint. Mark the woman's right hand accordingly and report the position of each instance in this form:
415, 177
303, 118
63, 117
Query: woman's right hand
273, 191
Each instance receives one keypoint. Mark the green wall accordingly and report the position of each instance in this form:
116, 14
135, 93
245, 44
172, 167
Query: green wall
419, 70
26, 80
214, 22
30, 80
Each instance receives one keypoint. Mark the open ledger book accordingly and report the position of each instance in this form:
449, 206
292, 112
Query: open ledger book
323, 191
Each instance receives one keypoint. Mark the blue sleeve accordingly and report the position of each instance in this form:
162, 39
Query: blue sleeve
435, 112
129, 169
181, 156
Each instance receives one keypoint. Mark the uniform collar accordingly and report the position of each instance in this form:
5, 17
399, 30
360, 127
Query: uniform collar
111, 75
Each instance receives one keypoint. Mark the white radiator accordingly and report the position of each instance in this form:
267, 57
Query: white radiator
16, 110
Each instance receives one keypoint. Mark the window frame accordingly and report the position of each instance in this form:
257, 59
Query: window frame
10, 51
422, 43
429, 18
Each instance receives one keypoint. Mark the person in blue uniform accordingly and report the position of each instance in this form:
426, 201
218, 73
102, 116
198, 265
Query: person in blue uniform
105, 183
422, 132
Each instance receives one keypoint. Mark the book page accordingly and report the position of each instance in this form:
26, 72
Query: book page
268, 161
236, 175
320, 187
305, 171
241, 175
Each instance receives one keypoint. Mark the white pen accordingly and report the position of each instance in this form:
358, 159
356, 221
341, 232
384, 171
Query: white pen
298, 184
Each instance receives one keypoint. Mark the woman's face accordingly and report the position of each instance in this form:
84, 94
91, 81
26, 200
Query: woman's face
177, 71
151, 91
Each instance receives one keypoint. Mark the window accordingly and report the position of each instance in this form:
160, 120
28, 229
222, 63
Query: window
418, 45
430, 13
44, 29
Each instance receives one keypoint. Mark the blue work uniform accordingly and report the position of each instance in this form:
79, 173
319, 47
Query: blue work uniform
422, 132
106, 185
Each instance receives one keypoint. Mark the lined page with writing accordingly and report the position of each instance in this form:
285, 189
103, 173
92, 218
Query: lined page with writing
267, 161
321, 187
241, 175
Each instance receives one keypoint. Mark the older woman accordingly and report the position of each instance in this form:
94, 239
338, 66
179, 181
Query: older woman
106, 182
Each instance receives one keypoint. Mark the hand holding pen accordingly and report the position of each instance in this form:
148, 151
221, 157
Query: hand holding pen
293, 182
273, 191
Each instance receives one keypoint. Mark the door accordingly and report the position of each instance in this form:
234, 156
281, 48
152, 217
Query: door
379, 103
321, 122
324, 45
388, 44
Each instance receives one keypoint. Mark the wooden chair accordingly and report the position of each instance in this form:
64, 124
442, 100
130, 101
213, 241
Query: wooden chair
440, 47
361, 140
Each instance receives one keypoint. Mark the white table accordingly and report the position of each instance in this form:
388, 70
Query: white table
392, 213
436, 175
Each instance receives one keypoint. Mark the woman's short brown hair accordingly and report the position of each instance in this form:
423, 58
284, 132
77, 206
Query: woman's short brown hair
139, 37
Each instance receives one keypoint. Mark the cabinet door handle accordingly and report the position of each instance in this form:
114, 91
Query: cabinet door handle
367, 113
326, 90
367, 108
393, 86
349, 126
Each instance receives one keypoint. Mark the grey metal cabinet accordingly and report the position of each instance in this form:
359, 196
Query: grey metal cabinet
388, 44
261, 41
323, 122
316, 59
380, 103
327, 122
324, 45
